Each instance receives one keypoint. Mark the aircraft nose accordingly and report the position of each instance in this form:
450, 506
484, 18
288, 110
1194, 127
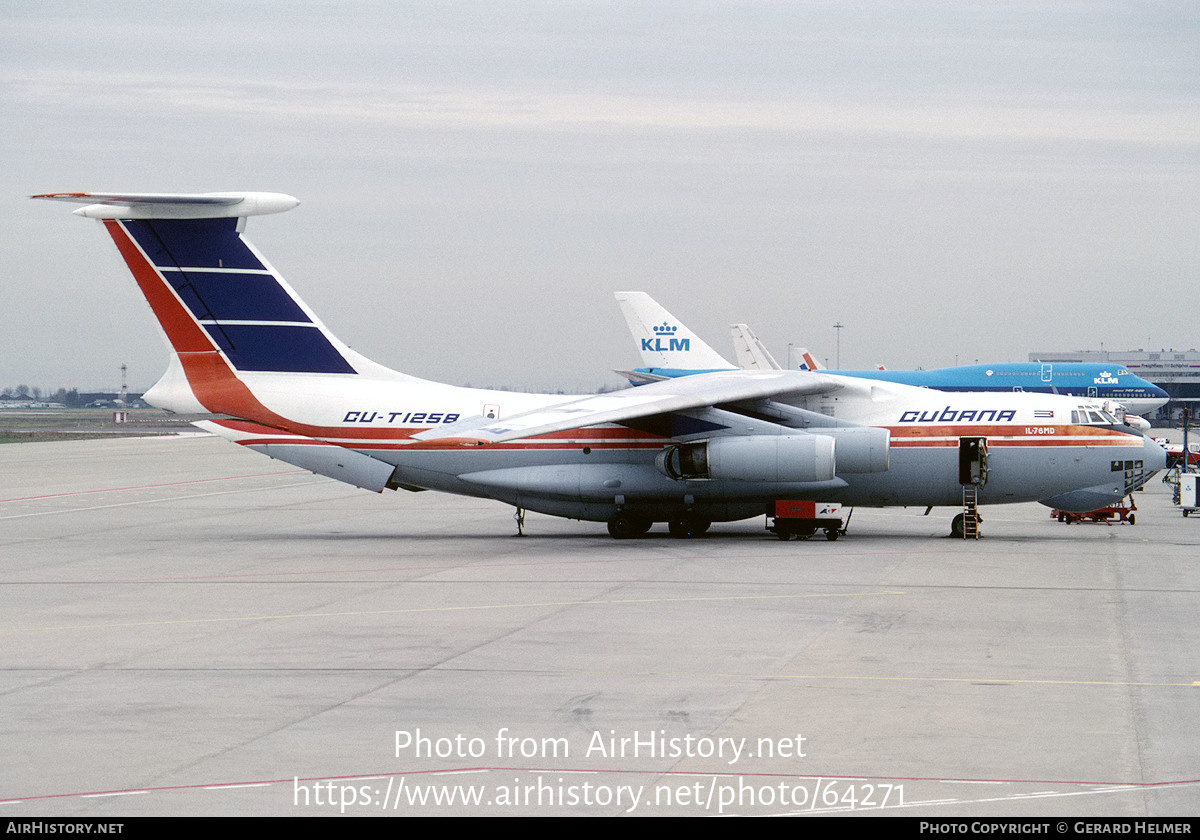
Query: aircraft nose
1153, 455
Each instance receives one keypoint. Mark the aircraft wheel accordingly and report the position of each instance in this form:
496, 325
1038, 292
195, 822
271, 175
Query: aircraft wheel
958, 526
624, 526
686, 527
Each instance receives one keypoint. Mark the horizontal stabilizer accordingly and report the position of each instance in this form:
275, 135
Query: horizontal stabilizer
175, 205
641, 377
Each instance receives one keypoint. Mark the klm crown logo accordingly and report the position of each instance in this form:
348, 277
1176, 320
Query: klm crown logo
665, 341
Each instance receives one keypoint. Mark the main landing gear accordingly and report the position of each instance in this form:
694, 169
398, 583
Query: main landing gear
625, 526
687, 527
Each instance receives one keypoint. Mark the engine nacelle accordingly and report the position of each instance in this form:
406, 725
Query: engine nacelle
861, 449
761, 458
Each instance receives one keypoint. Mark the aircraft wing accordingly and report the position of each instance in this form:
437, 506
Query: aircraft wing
679, 394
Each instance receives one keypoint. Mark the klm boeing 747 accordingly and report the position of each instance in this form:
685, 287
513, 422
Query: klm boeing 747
686, 355
1073, 379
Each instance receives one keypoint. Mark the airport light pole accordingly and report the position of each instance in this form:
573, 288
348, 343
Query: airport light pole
838, 327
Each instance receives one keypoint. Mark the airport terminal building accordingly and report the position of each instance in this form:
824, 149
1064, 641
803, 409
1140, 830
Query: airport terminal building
1175, 371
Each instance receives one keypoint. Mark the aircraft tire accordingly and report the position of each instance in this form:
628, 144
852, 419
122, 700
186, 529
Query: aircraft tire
687, 527
958, 526
624, 526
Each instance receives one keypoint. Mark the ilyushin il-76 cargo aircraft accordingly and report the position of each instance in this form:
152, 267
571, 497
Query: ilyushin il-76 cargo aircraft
689, 451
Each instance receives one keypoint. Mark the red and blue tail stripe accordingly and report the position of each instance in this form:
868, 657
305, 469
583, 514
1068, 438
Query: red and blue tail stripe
243, 306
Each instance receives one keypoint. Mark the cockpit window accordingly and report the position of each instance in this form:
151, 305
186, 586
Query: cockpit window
1092, 416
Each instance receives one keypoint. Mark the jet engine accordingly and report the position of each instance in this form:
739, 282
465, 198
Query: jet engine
762, 458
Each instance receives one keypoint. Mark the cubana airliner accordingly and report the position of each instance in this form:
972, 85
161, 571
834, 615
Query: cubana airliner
719, 446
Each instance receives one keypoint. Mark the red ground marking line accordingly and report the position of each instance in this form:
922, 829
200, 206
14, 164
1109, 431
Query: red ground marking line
148, 486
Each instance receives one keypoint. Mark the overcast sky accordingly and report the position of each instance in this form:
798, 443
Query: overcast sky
949, 180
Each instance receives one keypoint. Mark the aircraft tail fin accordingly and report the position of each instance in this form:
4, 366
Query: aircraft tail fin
664, 342
229, 317
801, 359
749, 351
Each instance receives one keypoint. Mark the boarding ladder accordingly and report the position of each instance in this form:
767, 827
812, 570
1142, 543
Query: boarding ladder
970, 529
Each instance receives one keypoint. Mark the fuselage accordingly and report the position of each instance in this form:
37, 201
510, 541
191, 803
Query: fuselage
1089, 381
1039, 448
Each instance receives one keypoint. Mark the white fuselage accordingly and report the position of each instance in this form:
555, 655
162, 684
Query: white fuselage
1036, 448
